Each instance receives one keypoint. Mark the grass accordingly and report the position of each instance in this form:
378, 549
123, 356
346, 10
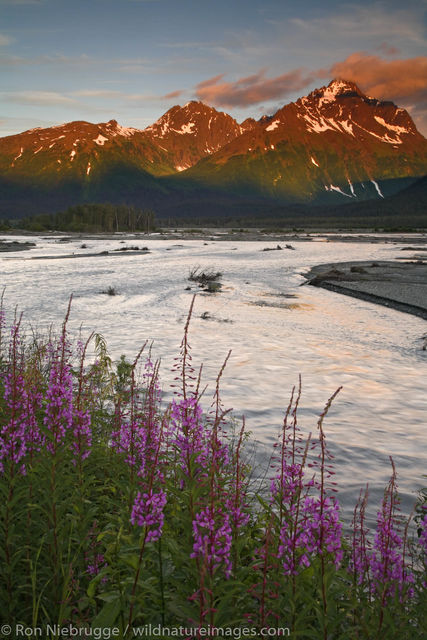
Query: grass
120, 510
206, 278
197, 274
110, 291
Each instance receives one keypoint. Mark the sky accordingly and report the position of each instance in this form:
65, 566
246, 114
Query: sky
131, 60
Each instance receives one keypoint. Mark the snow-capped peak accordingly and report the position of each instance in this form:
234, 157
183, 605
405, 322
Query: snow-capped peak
337, 88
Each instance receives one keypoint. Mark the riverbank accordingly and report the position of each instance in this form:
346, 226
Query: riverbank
247, 235
400, 285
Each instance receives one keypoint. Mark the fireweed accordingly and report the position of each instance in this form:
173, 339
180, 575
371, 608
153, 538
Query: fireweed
121, 509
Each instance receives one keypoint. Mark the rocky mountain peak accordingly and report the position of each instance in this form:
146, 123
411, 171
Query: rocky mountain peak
339, 87
322, 145
192, 132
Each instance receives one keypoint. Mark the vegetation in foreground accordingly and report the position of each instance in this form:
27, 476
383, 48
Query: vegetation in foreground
120, 511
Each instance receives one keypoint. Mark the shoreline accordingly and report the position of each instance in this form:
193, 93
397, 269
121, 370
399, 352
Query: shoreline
398, 285
219, 234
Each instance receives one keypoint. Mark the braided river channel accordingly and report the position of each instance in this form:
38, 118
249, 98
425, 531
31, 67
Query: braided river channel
277, 330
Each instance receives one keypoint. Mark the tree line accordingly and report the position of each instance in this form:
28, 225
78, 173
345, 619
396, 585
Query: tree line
93, 218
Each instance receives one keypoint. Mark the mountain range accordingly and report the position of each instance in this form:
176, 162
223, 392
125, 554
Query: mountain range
334, 146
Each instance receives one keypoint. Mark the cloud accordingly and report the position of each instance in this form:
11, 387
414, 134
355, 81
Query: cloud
251, 89
173, 94
39, 98
386, 79
96, 93
44, 60
401, 80
375, 22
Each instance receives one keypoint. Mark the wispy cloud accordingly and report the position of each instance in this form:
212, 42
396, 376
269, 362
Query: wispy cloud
173, 94
37, 98
44, 60
388, 79
376, 21
401, 80
97, 93
252, 89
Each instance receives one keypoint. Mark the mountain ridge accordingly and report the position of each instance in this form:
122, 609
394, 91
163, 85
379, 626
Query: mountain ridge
334, 145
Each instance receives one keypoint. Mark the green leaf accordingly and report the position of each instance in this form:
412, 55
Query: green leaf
108, 615
131, 560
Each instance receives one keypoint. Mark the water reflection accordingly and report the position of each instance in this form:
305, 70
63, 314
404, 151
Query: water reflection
276, 329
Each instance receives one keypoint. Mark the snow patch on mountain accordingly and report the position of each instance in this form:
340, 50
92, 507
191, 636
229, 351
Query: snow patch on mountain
314, 161
332, 91
386, 138
18, 156
317, 125
377, 188
186, 128
118, 130
332, 187
274, 125
347, 126
392, 127
100, 140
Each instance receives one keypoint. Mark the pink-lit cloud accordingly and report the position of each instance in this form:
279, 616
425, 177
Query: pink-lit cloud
251, 89
403, 81
386, 79
173, 94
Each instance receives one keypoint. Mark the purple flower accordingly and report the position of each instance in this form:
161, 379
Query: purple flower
212, 538
20, 433
95, 565
198, 444
387, 564
309, 530
238, 517
188, 432
95, 561
82, 434
14, 434
58, 418
360, 548
147, 512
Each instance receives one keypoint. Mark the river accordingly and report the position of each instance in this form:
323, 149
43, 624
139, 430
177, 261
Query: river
277, 330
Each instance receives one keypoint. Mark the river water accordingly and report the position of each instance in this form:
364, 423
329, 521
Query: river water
277, 330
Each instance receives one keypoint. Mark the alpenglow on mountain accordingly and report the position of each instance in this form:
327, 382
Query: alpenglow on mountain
334, 145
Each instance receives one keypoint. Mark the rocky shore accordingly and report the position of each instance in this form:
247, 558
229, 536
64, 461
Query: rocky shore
401, 285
